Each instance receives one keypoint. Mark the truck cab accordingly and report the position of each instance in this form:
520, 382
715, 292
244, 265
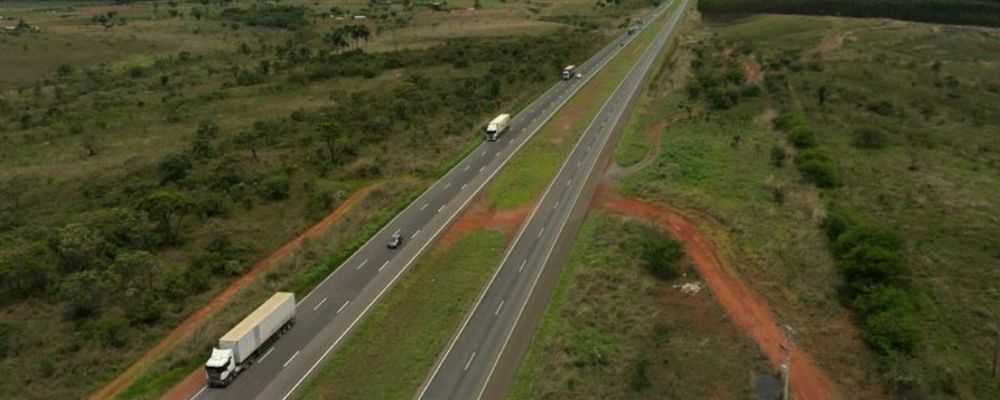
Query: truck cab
568, 72
221, 368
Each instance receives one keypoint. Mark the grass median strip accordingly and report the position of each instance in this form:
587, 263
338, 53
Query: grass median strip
527, 174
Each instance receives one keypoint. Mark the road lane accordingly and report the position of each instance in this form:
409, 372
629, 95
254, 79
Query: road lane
487, 330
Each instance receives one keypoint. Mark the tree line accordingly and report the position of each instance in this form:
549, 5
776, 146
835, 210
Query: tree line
967, 12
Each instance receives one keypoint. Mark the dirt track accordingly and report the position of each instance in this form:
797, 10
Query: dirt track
189, 325
748, 311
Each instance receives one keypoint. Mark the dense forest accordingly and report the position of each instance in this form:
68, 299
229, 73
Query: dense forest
965, 12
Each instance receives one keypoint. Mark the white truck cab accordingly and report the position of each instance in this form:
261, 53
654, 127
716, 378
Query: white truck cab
568, 72
221, 367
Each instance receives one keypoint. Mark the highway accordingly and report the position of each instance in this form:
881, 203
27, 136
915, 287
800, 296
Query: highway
329, 313
468, 367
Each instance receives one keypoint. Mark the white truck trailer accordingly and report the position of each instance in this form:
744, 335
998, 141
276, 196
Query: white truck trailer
497, 127
239, 347
568, 72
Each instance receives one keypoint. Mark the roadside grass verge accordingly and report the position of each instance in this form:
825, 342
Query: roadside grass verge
613, 330
539, 160
391, 351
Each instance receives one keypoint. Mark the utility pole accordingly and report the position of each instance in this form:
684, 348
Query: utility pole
786, 367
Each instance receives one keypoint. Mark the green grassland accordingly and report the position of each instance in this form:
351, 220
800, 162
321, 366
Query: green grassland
400, 340
144, 166
613, 330
928, 173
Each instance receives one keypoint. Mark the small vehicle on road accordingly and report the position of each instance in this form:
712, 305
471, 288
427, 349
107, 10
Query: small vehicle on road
395, 241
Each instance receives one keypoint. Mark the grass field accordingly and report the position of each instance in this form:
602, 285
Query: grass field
400, 340
613, 330
929, 90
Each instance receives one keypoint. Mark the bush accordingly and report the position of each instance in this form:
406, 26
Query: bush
589, 348
778, 156
640, 377
271, 16
818, 167
108, 330
870, 138
662, 255
275, 188
892, 330
802, 137
174, 168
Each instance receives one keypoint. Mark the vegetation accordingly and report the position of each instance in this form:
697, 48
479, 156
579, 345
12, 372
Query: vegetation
673, 346
857, 132
970, 12
188, 163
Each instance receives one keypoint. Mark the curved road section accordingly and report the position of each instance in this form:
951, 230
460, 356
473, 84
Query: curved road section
329, 312
470, 364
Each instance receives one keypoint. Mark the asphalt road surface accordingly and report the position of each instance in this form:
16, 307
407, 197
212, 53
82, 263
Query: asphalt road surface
465, 369
327, 314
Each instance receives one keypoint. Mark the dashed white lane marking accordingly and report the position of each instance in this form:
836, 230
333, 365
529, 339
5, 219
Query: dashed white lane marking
291, 358
383, 266
468, 363
482, 168
522, 265
467, 167
448, 185
363, 263
578, 163
415, 234
319, 304
342, 307
265, 355
569, 182
422, 208
556, 206
541, 232
497, 155
396, 232
463, 186
441, 208
497, 312
483, 153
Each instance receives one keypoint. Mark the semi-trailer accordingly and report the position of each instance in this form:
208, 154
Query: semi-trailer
497, 127
241, 346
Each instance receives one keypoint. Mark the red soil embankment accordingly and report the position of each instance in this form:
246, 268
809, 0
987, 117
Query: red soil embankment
189, 325
748, 311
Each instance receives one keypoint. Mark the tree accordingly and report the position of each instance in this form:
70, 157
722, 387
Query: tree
275, 188
25, 271
335, 39
251, 140
137, 269
207, 129
662, 255
79, 247
174, 168
168, 207
83, 293
330, 133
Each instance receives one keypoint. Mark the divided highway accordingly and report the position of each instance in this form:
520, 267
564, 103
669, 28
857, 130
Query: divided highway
328, 313
471, 360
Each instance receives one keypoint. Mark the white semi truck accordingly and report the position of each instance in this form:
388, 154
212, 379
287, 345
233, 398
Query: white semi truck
239, 347
497, 127
568, 72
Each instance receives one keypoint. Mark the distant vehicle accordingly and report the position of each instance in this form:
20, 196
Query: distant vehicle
239, 347
395, 241
497, 127
568, 72
633, 29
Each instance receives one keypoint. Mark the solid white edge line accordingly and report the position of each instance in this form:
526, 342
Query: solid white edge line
668, 31
524, 227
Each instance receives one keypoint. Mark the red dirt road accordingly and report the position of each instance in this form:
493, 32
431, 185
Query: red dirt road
195, 381
748, 311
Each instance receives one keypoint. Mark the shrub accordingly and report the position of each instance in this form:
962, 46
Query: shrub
778, 156
870, 138
869, 265
174, 168
802, 137
818, 167
640, 377
861, 234
661, 255
892, 330
589, 348
275, 188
